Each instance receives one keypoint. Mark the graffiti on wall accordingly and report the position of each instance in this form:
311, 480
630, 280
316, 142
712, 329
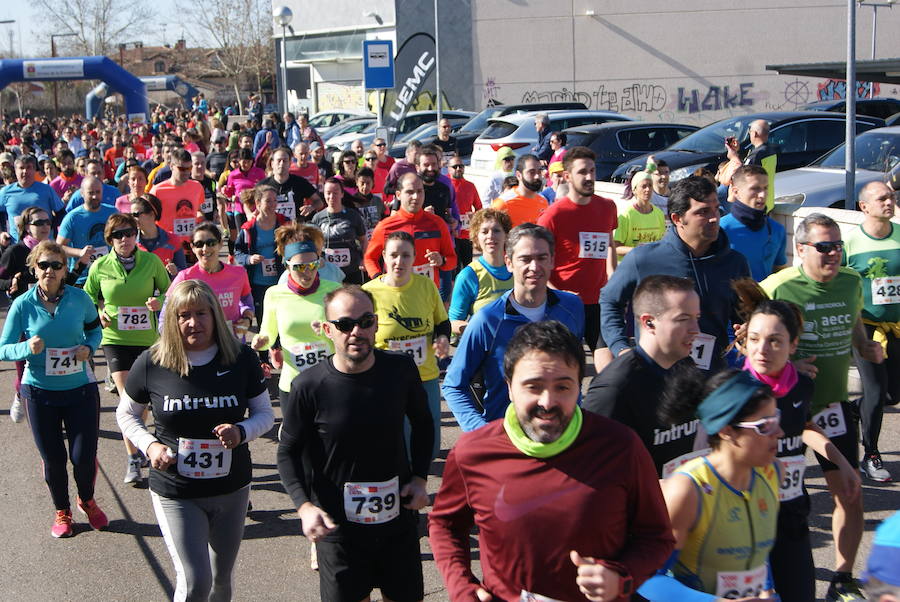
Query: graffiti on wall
491, 92
636, 98
715, 98
836, 89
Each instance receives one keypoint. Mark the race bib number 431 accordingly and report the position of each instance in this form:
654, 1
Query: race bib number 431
203, 458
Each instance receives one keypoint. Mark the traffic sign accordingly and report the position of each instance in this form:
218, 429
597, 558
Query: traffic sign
378, 64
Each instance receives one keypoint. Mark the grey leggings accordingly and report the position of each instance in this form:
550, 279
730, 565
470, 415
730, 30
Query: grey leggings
203, 536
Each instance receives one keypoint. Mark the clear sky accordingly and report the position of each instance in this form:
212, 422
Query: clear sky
164, 29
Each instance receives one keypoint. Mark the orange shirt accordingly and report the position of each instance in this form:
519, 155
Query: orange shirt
522, 209
430, 234
180, 205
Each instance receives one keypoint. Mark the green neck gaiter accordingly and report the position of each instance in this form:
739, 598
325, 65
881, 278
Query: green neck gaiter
533, 448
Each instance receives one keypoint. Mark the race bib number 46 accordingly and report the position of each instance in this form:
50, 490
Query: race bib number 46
831, 420
593, 245
61, 361
372, 503
885, 291
203, 458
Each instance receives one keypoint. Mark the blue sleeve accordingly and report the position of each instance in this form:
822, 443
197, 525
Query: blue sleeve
179, 260
466, 362
780, 255
663, 587
75, 201
56, 203
241, 249
119, 171
10, 347
65, 228
614, 299
464, 293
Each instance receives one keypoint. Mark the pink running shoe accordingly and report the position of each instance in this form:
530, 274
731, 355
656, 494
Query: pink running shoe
95, 515
62, 525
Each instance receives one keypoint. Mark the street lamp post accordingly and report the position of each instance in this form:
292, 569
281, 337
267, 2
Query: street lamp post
11, 53
850, 144
437, 61
283, 16
875, 6
53, 54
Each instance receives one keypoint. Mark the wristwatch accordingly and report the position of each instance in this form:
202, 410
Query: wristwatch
626, 583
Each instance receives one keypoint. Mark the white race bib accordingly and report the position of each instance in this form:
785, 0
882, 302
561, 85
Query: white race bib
303, 356
372, 503
207, 205
287, 209
268, 267
424, 270
98, 253
733, 585
831, 420
702, 350
339, 257
61, 362
885, 291
184, 226
525, 596
593, 245
792, 479
203, 458
464, 220
673, 465
414, 348
134, 318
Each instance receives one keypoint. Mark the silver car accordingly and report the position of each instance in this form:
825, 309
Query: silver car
822, 183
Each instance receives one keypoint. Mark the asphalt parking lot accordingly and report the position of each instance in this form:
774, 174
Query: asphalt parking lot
130, 561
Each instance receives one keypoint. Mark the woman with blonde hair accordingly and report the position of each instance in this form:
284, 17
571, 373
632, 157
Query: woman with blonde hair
209, 398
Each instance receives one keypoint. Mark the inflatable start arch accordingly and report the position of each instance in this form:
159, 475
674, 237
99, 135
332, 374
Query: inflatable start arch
95, 97
87, 67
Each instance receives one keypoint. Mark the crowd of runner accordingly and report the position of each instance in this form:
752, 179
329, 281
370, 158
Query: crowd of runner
202, 255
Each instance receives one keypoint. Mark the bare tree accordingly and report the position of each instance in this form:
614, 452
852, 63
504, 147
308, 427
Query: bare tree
236, 27
98, 25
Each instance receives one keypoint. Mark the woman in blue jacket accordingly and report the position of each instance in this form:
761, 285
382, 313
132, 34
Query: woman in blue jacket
55, 328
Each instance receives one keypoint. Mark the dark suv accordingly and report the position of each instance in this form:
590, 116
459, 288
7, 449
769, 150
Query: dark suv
873, 107
803, 137
616, 142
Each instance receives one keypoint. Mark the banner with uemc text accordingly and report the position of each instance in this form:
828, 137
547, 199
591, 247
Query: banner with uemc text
414, 63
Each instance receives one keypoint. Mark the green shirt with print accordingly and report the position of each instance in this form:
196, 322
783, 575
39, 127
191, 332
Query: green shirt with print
830, 311
877, 261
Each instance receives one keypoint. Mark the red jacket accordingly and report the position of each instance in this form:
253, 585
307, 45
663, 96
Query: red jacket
467, 201
430, 233
599, 497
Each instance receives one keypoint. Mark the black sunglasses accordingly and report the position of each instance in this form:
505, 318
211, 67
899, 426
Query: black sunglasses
371, 158
367, 320
826, 247
460, 166
381, 144
120, 234
41, 222
56, 265
209, 242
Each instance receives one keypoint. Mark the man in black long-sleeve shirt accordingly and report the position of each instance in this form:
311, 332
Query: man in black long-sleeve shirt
628, 390
342, 457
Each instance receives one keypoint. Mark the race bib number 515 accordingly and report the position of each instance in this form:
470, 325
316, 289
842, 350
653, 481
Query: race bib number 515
593, 245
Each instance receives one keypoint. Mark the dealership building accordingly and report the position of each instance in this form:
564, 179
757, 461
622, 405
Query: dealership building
691, 61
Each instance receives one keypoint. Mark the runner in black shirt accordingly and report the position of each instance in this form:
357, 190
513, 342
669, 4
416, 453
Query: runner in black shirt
667, 309
297, 198
217, 160
200, 383
343, 458
198, 173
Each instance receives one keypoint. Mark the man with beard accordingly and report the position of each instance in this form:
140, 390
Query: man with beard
528, 203
582, 224
94, 167
175, 192
68, 180
529, 257
344, 427
81, 231
439, 199
297, 199
533, 481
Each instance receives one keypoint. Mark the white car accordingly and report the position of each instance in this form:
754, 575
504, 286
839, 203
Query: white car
822, 183
519, 134
328, 119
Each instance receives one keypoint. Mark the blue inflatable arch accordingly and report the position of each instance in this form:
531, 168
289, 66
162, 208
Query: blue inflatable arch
86, 67
95, 97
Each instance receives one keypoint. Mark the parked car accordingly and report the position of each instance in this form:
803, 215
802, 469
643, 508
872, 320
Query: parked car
619, 141
802, 135
822, 184
425, 133
873, 107
465, 138
350, 126
893, 120
410, 121
326, 120
519, 134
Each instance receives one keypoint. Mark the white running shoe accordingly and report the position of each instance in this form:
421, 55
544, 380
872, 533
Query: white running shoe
17, 410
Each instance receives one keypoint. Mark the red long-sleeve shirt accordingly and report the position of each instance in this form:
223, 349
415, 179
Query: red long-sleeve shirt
600, 497
430, 233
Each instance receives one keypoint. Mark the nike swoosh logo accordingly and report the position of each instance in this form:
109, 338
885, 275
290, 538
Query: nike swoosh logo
509, 512
797, 404
263, 379
222, 373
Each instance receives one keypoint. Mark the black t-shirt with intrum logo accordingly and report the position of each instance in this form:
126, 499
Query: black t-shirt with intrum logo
189, 408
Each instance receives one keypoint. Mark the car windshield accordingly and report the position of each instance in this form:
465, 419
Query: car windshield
423, 131
875, 151
478, 123
711, 139
578, 139
319, 120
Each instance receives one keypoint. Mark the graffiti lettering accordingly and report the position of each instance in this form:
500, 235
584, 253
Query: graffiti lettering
637, 98
715, 98
836, 89
564, 95
646, 97
491, 91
